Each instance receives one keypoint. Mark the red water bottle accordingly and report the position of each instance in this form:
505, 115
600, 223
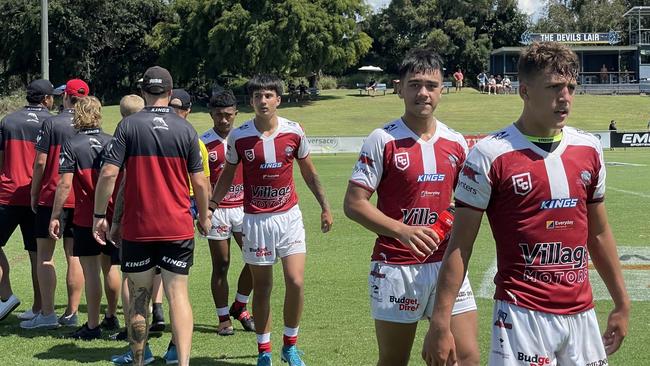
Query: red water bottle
442, 226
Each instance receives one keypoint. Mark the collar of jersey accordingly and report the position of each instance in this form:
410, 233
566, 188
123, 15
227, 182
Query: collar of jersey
90, 131
545, 140
417, 138
538, 150
271, 136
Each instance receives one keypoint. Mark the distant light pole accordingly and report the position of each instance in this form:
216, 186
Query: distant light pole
45, 54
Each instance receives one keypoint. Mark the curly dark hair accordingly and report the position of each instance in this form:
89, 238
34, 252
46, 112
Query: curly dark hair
552, 56
223, 99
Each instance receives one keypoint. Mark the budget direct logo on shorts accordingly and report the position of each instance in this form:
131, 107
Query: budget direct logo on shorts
534, 360
405, 303
261, 252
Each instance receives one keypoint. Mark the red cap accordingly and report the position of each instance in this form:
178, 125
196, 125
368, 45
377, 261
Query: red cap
77, 88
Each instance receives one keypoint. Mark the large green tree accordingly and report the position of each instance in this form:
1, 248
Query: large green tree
212, 37
584, 16
462, 31
100, 41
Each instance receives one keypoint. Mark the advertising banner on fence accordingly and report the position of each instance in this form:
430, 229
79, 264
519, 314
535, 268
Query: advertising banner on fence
352, 144
335, 144
630, 139
604, 138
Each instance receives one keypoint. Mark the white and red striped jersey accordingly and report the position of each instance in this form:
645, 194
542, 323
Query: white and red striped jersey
216, 146
536, 203
414, 180
267, 163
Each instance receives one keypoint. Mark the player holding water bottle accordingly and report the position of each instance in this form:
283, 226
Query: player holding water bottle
413, 164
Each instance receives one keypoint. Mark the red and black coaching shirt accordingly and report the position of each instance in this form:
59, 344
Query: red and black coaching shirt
157, 148
54, 133
82, 155
18, 133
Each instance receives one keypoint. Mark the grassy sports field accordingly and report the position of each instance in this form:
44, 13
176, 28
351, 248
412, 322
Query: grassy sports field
336, 327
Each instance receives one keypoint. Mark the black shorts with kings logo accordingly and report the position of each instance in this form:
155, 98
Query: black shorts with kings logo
174, 256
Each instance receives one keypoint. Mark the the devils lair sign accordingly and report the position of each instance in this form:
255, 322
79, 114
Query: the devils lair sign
573, 38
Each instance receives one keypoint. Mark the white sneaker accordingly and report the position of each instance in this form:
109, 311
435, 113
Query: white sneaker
6, 307
41, 321
27, 315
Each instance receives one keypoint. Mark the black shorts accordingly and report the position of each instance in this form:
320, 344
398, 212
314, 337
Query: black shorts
174, 256
43, 215
10, 218
85, 245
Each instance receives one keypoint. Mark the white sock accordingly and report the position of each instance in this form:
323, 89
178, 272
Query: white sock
291, 332
241, 298
264, 338
222, 311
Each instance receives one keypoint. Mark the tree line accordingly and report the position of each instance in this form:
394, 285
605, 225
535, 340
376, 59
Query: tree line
110, 43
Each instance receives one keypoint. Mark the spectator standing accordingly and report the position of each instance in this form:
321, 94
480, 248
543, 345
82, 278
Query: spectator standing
458, 79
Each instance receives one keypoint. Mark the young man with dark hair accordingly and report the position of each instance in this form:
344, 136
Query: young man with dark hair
227, 219
156, 146
413, 164
542, 185
54, 133
18, 133
266, 146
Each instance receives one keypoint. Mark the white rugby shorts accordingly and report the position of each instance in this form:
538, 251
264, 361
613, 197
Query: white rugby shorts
268, 237
225, 221
406, 293
522, 336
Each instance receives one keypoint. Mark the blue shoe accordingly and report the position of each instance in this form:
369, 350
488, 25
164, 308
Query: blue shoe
171, 357
291, 355
127, 358
264, 359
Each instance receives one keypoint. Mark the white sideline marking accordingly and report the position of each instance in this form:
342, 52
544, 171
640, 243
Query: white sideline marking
618, 163
636, 271
629, 192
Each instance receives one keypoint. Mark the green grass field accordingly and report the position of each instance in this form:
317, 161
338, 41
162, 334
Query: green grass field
336, 327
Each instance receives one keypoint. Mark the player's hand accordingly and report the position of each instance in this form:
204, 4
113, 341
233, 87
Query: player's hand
115, 235
326, 221
100, 230
34, 203
55, 229
616, 329
420, 240
439, 348
204, 224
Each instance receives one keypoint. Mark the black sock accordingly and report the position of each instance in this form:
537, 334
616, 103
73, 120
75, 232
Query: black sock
158, 313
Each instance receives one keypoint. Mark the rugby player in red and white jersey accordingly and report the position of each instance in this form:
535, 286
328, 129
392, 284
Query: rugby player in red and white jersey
18, 132
227, 219
266, 146
413, 164
542, 185
54, 133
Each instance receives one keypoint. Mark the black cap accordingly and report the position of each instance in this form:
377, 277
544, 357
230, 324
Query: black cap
157, 80
40, 88
180, 99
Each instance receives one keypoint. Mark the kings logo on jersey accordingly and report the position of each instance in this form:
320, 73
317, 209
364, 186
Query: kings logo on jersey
402, 160
522, 183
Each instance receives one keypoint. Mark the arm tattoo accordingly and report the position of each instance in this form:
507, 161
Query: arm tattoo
317, 189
